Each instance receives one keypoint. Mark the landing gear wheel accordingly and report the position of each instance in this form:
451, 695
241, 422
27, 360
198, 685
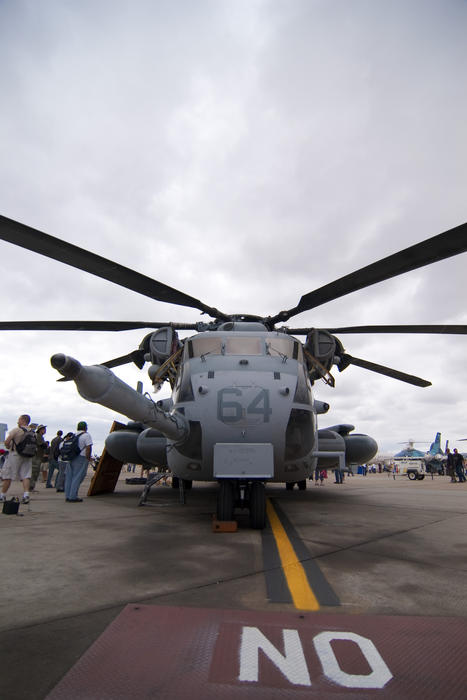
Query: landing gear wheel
257, 506
421, 476
187, 484
225, 500
301, 485
175, 482
289, 485
412, 476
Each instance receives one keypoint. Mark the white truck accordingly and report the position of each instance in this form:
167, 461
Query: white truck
414, 468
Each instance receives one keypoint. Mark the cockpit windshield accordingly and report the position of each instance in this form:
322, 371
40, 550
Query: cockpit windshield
244, 346
283, 347
233, 345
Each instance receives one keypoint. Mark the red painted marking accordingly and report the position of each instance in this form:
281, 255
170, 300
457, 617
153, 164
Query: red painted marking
172, 653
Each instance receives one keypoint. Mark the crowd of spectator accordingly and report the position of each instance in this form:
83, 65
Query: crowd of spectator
28, 457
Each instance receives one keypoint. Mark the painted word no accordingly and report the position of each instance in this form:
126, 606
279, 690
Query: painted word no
292, 664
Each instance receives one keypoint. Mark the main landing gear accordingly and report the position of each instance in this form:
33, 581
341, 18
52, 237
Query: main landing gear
251, 495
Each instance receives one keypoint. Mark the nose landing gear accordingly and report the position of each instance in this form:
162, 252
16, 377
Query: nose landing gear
251, 495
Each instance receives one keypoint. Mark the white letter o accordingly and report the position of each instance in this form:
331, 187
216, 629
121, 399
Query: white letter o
380, 673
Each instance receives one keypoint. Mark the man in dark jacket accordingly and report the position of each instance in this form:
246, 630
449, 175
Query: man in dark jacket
53, 457
458, 466
450, 471
38, 457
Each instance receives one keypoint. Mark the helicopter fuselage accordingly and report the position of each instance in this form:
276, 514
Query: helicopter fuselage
248, 402
241, 409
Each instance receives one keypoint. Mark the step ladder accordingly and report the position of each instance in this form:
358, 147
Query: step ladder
154, 479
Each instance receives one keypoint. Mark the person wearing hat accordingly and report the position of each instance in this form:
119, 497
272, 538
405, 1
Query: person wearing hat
39, 456
77, 469
17, 466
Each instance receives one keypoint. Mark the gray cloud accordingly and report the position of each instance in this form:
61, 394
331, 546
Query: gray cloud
245, 153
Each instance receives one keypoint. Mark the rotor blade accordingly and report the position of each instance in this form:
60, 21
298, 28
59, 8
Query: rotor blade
444, 245
443, 329
381, 369
89, 325
446, 329
137, 356
51, 247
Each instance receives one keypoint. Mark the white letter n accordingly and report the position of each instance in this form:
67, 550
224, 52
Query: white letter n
292, 664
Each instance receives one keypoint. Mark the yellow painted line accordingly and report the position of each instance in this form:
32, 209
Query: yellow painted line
302, 595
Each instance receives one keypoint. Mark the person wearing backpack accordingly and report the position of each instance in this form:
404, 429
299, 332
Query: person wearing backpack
21, 443
77, 452
53, 458
62, 465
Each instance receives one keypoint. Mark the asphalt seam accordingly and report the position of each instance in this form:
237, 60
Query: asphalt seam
378, 539
374, 539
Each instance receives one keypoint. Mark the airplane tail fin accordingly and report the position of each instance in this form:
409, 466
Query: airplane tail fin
435, 447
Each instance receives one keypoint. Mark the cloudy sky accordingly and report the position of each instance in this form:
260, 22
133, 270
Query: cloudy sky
245, 152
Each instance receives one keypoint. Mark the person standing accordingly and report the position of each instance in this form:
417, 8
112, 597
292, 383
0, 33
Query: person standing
17, 466
450, 470
45, 462
39, 456
53, 457
62, 465
77, 468
459, 466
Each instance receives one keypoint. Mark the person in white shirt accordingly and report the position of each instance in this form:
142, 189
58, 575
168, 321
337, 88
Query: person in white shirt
77, 468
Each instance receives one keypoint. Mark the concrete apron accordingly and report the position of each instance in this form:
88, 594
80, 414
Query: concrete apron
387, 547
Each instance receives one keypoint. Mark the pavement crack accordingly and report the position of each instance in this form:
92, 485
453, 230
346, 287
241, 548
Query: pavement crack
380, 538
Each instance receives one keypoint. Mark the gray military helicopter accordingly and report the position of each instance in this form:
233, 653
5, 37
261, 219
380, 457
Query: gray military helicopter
242, 410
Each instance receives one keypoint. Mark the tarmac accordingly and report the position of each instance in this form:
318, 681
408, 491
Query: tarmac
387, 547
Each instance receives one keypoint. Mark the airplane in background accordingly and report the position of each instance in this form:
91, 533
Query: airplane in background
434, 457
408, 451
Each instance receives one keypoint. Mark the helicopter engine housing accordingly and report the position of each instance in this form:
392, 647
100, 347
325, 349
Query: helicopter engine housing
321, 345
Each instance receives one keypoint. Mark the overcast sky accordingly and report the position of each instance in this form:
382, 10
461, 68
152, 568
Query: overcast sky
245, 152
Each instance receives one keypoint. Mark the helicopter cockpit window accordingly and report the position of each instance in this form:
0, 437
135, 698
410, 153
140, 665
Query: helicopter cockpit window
244, 346
198, 347
285, 348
